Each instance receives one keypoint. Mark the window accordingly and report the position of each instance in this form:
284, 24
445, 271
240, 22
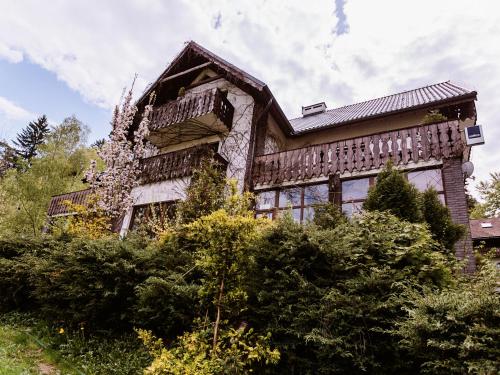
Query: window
428, 178
354, 193
299, 200
154, 213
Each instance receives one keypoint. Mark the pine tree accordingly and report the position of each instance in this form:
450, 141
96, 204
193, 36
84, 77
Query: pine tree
395, 194
31, 137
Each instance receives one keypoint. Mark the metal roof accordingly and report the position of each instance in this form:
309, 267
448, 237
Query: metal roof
424, 96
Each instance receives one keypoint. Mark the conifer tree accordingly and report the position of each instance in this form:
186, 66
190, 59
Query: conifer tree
395, 194
32, 137
439, 220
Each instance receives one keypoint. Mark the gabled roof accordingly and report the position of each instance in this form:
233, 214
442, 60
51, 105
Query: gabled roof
418, 98
193, 51
484, 229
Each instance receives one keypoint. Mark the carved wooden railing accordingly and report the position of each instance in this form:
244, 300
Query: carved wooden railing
57, 204
177, 164
420, 143
191, 107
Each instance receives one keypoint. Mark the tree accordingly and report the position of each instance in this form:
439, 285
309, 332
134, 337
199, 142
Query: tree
58, 168
31, 137
393, 193
438, 218
7, 157
455, 330
205, 193
490, 193
122, 158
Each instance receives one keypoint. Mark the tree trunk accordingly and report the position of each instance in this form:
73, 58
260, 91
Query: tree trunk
217, 320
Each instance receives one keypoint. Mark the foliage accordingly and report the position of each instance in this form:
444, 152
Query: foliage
31, 137
438, 218
71, 351
205, 193
88, 220
393, 193
328, 216
455, 330
374, 261
121, 157
8, 157
434, 116
490, 193
237, 352
222, 241
58, 168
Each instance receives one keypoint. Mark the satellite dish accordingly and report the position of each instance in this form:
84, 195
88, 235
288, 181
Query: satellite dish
468, 168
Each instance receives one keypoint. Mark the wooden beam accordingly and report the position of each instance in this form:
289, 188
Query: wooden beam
198, 67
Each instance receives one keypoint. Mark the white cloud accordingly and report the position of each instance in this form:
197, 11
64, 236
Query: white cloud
12, 111
97, 46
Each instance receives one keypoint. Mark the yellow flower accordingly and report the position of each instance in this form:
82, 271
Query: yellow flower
61, 331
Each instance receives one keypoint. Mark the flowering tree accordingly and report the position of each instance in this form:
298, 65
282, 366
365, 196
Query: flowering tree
122, 157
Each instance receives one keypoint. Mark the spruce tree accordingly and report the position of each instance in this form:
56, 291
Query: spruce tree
395, 194
439, 220
31, 137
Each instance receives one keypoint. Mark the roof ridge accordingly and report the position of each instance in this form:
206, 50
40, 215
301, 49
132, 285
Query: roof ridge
390, 95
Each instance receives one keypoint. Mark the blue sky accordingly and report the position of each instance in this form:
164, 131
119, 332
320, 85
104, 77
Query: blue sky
38, 91
63, 58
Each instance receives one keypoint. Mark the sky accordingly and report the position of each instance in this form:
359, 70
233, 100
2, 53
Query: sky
63, 58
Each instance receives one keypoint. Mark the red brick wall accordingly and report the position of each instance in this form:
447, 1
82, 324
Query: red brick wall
457, 203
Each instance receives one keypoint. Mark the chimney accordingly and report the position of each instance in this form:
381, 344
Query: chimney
313, 109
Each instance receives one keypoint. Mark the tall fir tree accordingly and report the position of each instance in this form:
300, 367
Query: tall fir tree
32, 137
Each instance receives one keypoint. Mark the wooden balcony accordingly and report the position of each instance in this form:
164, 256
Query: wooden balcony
58, 207
194, 116
177, 164
420, 143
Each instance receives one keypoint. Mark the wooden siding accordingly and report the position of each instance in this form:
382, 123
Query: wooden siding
420, 143
57, 205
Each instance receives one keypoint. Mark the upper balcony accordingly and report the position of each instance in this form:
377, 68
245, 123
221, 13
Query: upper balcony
410, 145
191, 117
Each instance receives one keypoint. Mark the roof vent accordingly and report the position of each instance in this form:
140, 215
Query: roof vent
313, 109
486, 225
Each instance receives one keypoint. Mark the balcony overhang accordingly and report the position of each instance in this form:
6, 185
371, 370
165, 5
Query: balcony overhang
192, 117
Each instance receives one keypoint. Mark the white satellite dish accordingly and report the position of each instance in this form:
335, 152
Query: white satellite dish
468, 168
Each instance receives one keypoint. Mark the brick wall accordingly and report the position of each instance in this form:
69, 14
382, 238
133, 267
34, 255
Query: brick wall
457, 203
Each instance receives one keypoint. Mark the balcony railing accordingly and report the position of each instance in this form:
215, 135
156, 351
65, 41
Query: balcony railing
57, 204
176, 164
192, 107
420, 143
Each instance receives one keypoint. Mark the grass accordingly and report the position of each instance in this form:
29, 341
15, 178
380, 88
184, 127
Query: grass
30, 346
22, 353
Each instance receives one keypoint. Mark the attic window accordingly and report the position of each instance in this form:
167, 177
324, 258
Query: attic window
486, 225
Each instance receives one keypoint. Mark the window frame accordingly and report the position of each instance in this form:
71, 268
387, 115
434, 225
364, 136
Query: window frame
275, 211
170, 204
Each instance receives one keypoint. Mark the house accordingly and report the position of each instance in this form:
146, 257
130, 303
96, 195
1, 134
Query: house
485, 235
205, 103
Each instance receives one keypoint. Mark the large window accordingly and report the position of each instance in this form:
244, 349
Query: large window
428, 178
150, 214
354, 193
300, 201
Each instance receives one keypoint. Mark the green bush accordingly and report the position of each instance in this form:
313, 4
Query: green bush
15, 271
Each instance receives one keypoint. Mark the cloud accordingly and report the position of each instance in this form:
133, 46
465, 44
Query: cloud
12, 111
334, 51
